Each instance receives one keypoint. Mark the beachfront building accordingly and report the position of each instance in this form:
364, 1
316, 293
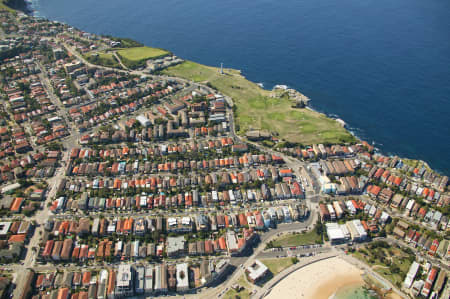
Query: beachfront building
356, 229
341, 233
335, 233
256, 271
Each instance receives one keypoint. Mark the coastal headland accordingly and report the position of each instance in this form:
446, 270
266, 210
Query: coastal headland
256, 109
183, 170
13, 5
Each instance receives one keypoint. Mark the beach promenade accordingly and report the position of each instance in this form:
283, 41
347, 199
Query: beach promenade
265, 291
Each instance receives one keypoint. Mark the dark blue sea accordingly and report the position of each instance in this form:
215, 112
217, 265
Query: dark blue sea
381, 65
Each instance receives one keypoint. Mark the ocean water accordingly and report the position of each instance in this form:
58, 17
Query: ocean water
353, 292
381, 65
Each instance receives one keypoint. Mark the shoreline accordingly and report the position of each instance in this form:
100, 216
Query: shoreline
341, 289
373, 143
320, 280
331, 289
351, 130
19, 5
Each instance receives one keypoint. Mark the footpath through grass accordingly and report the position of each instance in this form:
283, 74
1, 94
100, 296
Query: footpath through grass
257, 110
391, 262
102, 58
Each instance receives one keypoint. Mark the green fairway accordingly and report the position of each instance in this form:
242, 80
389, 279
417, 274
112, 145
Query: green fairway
141, 53
257, 110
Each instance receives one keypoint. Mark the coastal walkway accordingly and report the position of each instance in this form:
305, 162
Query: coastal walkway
120, 61
387, 284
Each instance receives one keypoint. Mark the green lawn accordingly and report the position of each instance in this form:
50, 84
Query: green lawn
102, 58
257, 110
141, 53
136, 57
392, 263
297, 239
277, 265
243, 294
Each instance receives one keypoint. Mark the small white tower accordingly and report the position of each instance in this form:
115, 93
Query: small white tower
221, 68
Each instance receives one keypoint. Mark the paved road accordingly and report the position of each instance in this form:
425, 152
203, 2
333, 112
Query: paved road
42, 215
39, 219
132, 72
120, 61
246, 261
61, 110
286, 252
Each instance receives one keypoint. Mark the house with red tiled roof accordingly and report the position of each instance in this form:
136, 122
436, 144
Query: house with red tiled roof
16, 239
373, 190
17, 204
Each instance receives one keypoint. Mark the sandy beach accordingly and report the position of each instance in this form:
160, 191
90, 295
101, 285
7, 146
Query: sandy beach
318, 281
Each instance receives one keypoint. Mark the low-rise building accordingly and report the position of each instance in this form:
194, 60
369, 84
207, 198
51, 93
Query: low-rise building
256, 271
124, 281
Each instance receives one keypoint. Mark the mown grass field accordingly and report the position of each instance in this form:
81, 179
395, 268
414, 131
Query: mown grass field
257, 110
103, 58
141, 53
277, 265
288, 240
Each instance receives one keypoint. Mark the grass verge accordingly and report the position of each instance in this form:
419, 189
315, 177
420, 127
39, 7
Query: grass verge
244, 292
277, 265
